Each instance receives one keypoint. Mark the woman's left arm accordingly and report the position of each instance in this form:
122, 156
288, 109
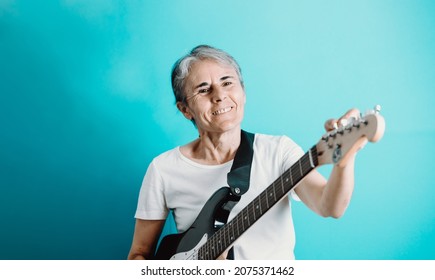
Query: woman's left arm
330, 198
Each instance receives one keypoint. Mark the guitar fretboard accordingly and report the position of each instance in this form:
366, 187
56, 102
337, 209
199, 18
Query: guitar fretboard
226, 235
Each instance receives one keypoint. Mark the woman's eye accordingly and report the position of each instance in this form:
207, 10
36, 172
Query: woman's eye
227, 84
204, 91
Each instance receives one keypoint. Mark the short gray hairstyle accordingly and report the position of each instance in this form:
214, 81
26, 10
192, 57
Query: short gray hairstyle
181, 68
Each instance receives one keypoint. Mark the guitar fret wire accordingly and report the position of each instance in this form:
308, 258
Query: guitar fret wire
233, 233
209, 248
238, 230
272, 195
247, 218
300, 167
259, 204
212, 250
252, 205
267, 202
274, 191
311, 159
228, 234
282, 184
222, 240
292, 175
212, 245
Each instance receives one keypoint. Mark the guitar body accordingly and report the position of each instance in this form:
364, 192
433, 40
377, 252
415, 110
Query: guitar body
185, 245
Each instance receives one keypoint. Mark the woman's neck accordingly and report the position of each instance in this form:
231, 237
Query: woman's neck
213, 148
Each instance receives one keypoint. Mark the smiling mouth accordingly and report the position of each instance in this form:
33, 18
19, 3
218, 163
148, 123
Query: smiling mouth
222, 111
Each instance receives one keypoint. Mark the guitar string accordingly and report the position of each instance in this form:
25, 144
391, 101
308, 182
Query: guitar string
304, 164
213, 248
265, 197
262, 199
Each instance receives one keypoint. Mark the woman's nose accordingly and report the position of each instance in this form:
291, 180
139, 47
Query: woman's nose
218, 94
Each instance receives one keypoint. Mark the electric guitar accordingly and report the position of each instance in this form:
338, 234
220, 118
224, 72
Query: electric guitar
202, 242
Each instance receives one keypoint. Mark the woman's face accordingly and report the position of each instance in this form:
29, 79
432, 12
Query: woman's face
215, 98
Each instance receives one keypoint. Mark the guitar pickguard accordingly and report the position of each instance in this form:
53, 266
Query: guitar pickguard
193, 253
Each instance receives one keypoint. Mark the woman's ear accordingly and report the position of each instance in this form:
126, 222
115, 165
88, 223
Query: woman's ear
184, 110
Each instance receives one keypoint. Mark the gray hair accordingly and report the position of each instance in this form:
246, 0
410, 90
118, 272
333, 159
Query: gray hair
181, 68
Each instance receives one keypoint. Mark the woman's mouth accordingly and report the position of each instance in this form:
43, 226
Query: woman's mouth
222, 111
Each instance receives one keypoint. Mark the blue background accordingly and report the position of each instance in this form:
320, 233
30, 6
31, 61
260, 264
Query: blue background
86, 103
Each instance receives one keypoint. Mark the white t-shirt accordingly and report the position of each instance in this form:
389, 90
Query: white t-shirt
175, 182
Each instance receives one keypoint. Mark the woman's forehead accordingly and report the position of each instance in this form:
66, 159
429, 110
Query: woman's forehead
204, 69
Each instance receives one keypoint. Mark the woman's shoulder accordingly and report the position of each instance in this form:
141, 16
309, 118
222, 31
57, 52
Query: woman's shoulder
167, 156
273, 140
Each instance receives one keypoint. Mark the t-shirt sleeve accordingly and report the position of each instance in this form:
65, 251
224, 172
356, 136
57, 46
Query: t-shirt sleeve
151, 203
291, 152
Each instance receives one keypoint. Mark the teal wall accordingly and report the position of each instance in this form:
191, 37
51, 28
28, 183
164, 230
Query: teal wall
86, 103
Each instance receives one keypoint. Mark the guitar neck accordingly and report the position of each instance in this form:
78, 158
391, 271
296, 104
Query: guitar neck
226, 235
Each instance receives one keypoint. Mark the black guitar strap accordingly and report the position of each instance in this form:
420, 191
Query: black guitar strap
238, 178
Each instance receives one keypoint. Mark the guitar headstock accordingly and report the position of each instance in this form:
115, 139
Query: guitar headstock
338, 145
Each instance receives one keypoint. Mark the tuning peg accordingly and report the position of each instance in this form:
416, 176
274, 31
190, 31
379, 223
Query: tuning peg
350, 122
377, 109
344, 122
357, 124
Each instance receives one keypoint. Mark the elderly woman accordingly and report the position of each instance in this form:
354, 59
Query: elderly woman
209, 91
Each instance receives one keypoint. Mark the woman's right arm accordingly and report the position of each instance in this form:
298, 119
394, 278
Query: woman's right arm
146, 235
